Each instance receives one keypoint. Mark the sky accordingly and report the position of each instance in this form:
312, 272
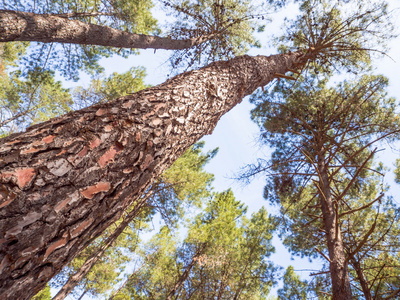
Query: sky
236, 135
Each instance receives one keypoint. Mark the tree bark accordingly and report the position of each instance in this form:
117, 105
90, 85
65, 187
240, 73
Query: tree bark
338, 265
24, 26
74, 280
62, 182
361, 278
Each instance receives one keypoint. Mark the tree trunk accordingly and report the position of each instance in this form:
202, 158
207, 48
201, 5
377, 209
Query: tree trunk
74, 280
23, 26
186, 273
83, 294
64, 181
338, 266
361, 278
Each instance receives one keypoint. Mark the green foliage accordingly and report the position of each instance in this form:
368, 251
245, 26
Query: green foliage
69, 59
43, 294
112, 87
223, 254
397, 171
293, 287
183, 184
339, 34
226, 26
30, 98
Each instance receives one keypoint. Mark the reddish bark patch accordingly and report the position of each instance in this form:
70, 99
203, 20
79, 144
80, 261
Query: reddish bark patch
25, 177
61, 152
61, 205
22, 177
156, 122
147, 160
48, 139
95, 143
101, 111
83, 152
31, 150
108, 157
138, 137
54, 246
92, 190
81, 228
13, 142
10, 198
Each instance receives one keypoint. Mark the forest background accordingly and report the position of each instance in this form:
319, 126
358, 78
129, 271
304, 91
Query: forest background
236, 136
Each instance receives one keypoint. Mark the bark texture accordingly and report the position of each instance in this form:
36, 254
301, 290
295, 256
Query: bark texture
62, 182
74, 280
338, 264
23, 26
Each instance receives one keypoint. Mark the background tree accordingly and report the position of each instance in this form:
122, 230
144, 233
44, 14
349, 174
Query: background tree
223, 256
29, 99
321, 172
70, 59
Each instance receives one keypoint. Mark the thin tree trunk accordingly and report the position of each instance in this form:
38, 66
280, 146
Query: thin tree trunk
24, 26
363, 282
338, 266
185, 274
64, 181
74, 280
83, 294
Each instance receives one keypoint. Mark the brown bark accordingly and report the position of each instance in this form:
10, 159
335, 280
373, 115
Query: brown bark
23, 26
361, 278
338, 264
64, 181
74, 280
183, 277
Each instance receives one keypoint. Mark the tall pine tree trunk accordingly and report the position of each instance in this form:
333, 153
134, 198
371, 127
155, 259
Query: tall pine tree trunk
64, 181
338, 265
24, 26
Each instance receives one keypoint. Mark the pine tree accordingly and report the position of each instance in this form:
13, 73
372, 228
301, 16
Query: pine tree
66, 180
322, 172
224, 256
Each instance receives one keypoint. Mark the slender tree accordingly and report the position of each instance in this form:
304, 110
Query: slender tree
24, 26
206, 30
70, 59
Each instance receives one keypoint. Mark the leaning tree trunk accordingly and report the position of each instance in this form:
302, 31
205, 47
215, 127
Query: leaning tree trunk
64, 181
24, 26
338, 263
